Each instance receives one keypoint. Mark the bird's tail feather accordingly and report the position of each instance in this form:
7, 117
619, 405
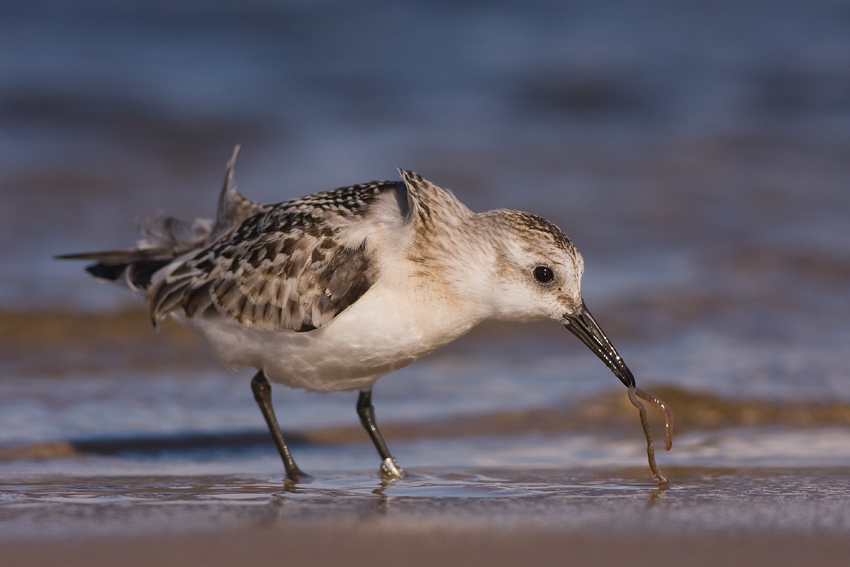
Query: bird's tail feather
133, 268
166, 238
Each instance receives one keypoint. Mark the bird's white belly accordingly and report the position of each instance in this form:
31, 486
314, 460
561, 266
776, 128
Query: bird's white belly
380, 333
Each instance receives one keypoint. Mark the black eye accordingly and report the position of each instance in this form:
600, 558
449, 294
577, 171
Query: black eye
543, 274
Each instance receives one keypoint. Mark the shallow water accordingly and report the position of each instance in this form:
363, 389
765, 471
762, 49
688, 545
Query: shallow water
698, 157
708, 501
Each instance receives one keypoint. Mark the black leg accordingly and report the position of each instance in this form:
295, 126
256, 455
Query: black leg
389, 466
263, 394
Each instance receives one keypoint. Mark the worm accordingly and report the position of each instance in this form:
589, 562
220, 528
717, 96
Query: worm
634, 393
666, 413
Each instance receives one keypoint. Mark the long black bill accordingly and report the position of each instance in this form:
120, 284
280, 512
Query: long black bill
582, 324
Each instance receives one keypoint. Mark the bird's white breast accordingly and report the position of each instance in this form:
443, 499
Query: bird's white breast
400, 319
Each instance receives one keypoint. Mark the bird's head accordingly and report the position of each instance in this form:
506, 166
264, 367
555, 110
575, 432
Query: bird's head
538, 272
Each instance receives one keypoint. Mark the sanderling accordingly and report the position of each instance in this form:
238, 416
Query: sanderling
334, 290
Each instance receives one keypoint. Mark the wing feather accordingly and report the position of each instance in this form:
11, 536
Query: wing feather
287, 267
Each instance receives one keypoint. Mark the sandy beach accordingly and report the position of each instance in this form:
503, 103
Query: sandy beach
707, 517
333, 545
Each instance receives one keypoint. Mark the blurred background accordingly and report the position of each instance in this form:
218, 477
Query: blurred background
697, 153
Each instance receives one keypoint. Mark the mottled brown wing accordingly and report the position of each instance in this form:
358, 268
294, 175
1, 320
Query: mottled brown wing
282, 269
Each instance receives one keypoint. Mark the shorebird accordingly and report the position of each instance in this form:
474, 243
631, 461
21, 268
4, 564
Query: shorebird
334, 290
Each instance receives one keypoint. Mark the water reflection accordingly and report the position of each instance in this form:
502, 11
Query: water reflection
701, 499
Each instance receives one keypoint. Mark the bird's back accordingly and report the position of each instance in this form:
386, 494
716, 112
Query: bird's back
293, 266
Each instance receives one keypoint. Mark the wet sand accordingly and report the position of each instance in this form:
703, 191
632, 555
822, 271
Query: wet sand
473, 517
334, 546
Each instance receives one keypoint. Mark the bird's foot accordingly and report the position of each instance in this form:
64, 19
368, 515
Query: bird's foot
391, 470
298, 478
